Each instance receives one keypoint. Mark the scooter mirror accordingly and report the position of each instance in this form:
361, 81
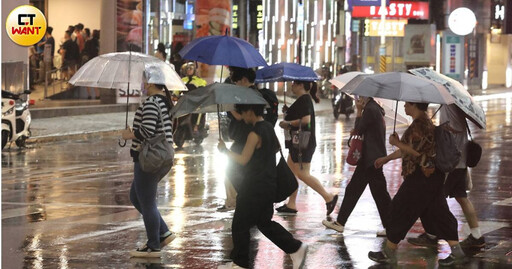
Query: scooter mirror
27, 92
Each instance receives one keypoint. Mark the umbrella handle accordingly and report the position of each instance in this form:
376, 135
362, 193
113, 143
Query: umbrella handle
121, 145
396, 111
218, 120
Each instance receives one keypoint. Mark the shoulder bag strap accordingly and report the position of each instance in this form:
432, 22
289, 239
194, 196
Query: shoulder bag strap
469, 131
160, 113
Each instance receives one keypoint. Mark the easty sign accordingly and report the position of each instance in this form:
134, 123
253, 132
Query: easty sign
395, 9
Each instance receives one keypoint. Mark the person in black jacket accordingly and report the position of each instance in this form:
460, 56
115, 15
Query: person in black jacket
256, 192
370, 124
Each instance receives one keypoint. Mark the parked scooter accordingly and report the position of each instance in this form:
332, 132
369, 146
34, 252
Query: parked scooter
15, 118
342, 104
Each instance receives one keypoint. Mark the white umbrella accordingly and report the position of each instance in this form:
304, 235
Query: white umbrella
463, 99
343, 79
400, 87
126, 70
123, 70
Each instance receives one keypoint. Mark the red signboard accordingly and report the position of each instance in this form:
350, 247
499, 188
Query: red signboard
396, 9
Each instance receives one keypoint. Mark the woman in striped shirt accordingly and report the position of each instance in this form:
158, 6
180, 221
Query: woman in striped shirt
146, 124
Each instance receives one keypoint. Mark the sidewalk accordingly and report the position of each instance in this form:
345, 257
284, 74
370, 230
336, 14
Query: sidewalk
97, 125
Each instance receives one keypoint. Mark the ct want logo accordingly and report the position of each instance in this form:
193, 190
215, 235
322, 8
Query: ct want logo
26, 25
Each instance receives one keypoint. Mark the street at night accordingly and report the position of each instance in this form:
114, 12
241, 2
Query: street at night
65, 204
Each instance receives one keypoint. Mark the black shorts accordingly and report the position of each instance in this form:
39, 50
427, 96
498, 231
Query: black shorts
67, 64
307, 154
455, 184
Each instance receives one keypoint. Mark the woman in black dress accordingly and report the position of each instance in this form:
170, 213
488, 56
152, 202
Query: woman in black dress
302, 112
254, 202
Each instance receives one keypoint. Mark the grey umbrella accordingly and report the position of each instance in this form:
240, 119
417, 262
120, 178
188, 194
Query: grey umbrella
399, 86
216, 97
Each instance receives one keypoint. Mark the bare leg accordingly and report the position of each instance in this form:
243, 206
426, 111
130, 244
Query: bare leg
469, 211
311, 181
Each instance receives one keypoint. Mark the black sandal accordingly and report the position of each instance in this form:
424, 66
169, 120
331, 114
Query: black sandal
331, 205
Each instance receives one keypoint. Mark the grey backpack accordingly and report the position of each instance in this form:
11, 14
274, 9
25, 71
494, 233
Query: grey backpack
156, 153
447, 153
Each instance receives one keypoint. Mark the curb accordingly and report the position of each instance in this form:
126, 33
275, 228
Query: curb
76, 136
87, 135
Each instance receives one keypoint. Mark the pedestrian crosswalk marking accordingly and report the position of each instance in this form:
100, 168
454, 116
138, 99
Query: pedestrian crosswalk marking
506, 202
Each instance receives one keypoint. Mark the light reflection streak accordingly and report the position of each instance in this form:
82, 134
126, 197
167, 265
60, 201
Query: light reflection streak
38, 253
508, 109
220, 166
206, 156
338, 152
179, 181
63, 257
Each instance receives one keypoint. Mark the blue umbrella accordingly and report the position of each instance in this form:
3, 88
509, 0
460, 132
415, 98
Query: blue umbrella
223, 50
285, 72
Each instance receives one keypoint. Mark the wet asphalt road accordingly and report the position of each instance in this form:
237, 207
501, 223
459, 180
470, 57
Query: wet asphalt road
66, 205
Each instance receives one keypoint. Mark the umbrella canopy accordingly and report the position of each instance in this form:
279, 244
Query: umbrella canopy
463, 99
343, 79
390, 107
120, 70
285, 72
223, 50
214, 98
399, 86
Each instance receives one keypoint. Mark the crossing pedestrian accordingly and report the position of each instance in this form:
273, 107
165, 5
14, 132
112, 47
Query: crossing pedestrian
143, 192
371, 125
302, 113
238, 131
254, 202
421, 193
455, 185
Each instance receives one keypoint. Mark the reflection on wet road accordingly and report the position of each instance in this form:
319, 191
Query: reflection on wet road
66, 205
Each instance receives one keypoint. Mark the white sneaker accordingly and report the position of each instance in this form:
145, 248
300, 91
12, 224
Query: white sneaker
299, 257
333, 225
229, 265
381, 233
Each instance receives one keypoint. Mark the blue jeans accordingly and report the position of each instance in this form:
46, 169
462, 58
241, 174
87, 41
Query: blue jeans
143, 196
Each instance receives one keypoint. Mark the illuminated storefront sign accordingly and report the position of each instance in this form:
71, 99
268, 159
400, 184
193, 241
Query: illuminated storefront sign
259, 17
396, 9
235, 17
497, 14
390, 27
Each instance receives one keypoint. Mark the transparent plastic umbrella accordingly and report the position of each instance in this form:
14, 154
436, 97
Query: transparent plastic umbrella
126, 70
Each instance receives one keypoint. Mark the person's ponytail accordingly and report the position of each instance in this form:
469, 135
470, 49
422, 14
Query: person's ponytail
313, 91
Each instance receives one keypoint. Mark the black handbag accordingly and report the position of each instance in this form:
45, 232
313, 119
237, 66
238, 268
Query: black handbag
286, 181
473, 151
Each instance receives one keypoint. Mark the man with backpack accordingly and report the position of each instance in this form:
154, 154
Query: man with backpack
455, 184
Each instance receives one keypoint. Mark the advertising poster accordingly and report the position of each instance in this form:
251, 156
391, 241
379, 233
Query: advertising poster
419, 44
453, 56
129, 37
212, 18
129, 25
